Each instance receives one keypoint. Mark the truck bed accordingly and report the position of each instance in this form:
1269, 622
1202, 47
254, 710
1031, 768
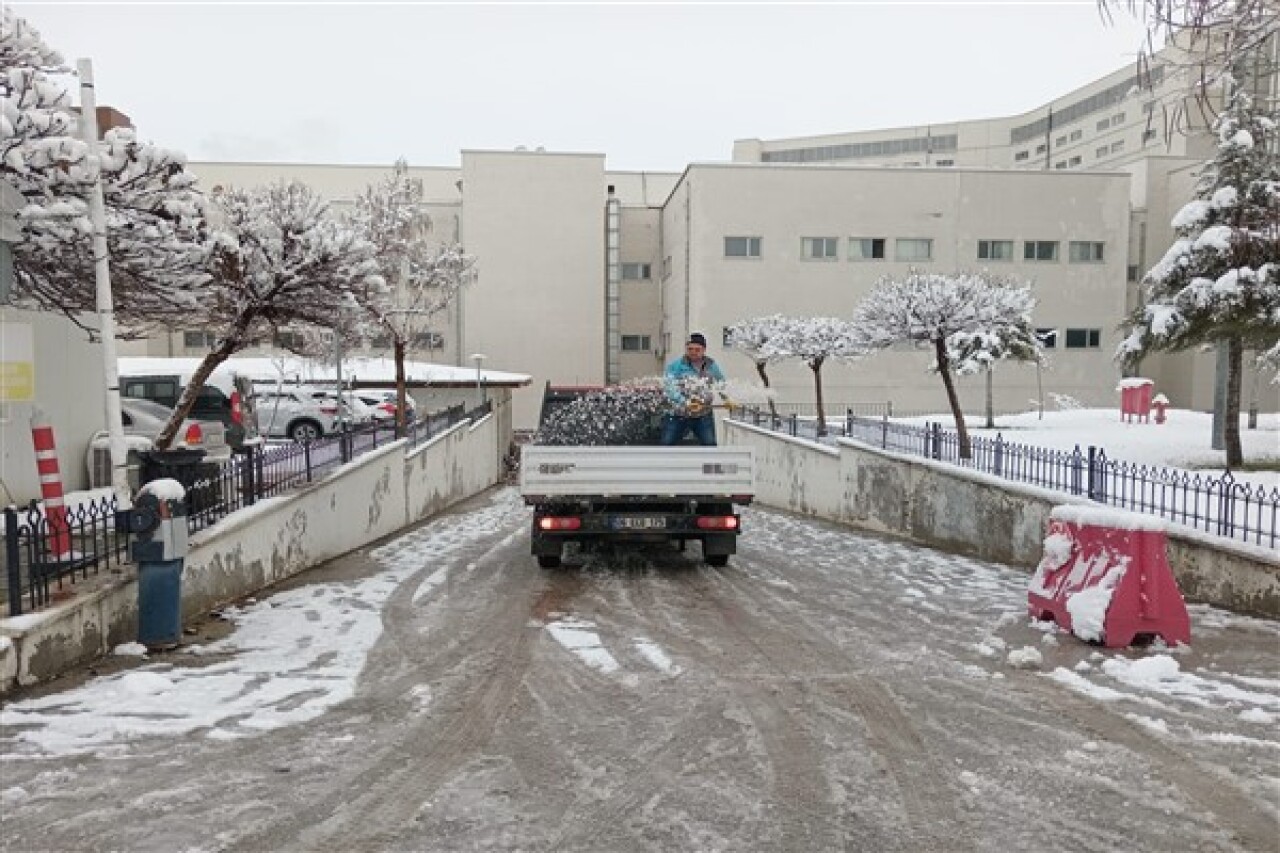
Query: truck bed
550, 472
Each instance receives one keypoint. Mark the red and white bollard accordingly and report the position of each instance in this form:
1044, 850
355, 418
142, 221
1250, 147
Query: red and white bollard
55, 509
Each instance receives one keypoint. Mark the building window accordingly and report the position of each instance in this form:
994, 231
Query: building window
1060, 141
1084, 253
1117, 146
742, 247
1076, 134
946, 162
1040, 250
380, 342
1040, 149
635, 343
1022, 155
866, 248
1074, 161
199, 340
430, 340
1101, 152
1148, 135
1048, 337
1116, 119
1104, 124
912, 249
995, 250
1084, 338
818, 248
636, 272
1061, 164
285, 339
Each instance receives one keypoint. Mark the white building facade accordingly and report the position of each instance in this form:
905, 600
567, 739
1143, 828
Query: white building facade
587, 276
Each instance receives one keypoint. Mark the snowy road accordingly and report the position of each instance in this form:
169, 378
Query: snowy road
826, 691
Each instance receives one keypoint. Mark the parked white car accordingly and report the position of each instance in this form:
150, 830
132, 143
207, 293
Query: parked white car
296, 413
360, 412
383, 401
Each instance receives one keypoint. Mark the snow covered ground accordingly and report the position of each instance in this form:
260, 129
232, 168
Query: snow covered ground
1183, 441
450, 695
296, 654
293, 656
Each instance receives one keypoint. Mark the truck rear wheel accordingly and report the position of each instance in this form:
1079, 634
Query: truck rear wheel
716, 561
549, 561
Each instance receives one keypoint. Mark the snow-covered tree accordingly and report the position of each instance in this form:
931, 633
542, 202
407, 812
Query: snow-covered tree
422, 280
37, 127
157, 239
153, 213
751, 337
815, 341
1220, 280
1213, 42
279, 258
967, 320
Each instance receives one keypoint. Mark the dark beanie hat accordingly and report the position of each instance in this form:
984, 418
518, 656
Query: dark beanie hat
697, 338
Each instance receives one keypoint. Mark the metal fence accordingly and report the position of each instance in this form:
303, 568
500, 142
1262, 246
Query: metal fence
39, 563
43, 554
1221, 505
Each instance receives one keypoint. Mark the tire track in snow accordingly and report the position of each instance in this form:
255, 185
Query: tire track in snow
808, 818
378, 803
931, 816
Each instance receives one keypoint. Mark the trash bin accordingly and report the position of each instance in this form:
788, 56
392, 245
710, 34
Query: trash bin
186, 465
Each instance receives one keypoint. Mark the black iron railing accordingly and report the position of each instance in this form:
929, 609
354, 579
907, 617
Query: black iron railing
43, 555
1219, 504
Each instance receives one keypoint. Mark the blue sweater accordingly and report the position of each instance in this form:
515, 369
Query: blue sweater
678, 387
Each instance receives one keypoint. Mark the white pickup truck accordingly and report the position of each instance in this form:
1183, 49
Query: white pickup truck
595, 495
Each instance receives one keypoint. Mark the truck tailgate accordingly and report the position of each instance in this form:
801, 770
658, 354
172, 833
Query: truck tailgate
571, 471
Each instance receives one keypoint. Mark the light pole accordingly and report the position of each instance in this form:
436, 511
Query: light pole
479, 357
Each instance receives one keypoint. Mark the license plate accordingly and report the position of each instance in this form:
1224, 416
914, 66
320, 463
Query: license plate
640, 522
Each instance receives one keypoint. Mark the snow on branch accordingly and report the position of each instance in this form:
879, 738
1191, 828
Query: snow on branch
978, 318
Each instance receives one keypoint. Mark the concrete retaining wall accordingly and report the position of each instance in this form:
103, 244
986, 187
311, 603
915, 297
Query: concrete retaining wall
947, 507
372, 497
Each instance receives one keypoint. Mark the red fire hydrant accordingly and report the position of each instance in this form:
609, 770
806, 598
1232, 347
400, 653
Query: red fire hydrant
1160, 402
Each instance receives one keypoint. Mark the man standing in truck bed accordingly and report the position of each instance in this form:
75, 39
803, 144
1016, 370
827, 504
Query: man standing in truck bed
688, 381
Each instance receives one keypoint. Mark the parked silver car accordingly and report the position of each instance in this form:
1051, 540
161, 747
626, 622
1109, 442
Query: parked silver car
143, 420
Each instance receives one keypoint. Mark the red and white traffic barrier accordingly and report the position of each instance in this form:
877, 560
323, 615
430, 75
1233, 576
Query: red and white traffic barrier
1105, 577
55, 509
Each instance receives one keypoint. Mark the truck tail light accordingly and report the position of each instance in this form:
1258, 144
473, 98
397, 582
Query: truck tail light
718, 522
237, 409
559, 522
194, 436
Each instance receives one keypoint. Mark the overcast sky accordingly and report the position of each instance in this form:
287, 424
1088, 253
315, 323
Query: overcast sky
651, 85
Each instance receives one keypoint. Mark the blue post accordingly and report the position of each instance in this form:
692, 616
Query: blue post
159, 524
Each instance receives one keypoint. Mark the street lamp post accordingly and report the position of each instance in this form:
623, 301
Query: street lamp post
479, 357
